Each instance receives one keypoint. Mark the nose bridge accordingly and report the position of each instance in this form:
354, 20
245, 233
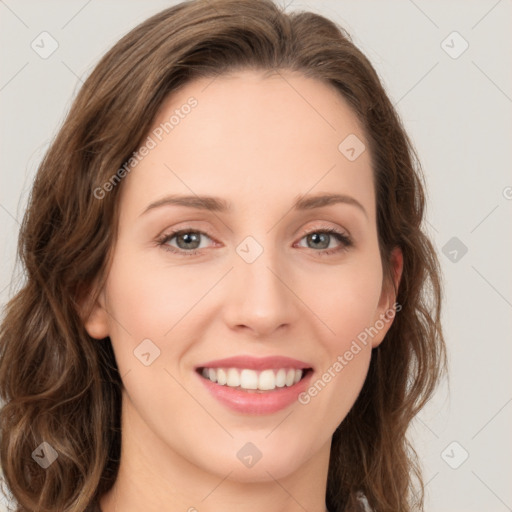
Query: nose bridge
259, 298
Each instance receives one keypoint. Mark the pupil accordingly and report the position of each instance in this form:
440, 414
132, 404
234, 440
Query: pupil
188, 238
316, 236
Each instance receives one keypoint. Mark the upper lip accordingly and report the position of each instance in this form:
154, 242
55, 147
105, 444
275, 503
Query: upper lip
256, 363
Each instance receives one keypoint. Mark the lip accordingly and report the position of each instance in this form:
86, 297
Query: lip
251, 402
256, 363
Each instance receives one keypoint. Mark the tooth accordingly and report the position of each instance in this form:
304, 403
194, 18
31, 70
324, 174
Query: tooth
280, 378
267, 380
221, 376
233, 378
290, 377
249, 379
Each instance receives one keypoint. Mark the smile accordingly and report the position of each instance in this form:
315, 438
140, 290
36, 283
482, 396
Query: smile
255, 385
253, 380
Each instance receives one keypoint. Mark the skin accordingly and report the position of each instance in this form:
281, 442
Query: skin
179, 443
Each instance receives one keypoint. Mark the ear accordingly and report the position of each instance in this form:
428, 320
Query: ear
386, 309
93, 312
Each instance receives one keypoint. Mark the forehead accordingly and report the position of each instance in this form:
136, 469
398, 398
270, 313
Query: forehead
248, 134
263, 104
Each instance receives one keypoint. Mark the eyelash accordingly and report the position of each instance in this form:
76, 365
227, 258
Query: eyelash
346, 241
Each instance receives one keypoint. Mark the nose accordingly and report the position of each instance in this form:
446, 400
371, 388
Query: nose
259, 296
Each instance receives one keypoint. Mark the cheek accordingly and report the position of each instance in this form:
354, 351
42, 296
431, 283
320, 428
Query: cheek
149, 300
347, 308
153, 302
345, 299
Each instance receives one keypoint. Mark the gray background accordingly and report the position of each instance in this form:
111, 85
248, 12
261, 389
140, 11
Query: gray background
458, 113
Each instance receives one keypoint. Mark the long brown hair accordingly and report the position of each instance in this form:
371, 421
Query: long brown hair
62, 387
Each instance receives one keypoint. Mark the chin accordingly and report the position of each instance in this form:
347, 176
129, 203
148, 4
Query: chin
257, 461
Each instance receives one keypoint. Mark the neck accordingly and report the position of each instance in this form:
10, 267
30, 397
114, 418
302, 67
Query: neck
152, 477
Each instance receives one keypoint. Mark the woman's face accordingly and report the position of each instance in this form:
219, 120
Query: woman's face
253, 276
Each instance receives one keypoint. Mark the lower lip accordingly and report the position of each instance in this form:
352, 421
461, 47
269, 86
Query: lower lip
248, 402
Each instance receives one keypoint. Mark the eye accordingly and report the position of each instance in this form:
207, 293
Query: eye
321, 238
188, 241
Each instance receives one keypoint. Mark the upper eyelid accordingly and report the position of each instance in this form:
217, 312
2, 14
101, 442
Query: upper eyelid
172, 233
175, 231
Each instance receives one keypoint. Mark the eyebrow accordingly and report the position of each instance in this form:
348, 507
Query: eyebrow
217, 204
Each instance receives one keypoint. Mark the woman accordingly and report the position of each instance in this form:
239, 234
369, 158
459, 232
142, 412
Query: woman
277, 361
